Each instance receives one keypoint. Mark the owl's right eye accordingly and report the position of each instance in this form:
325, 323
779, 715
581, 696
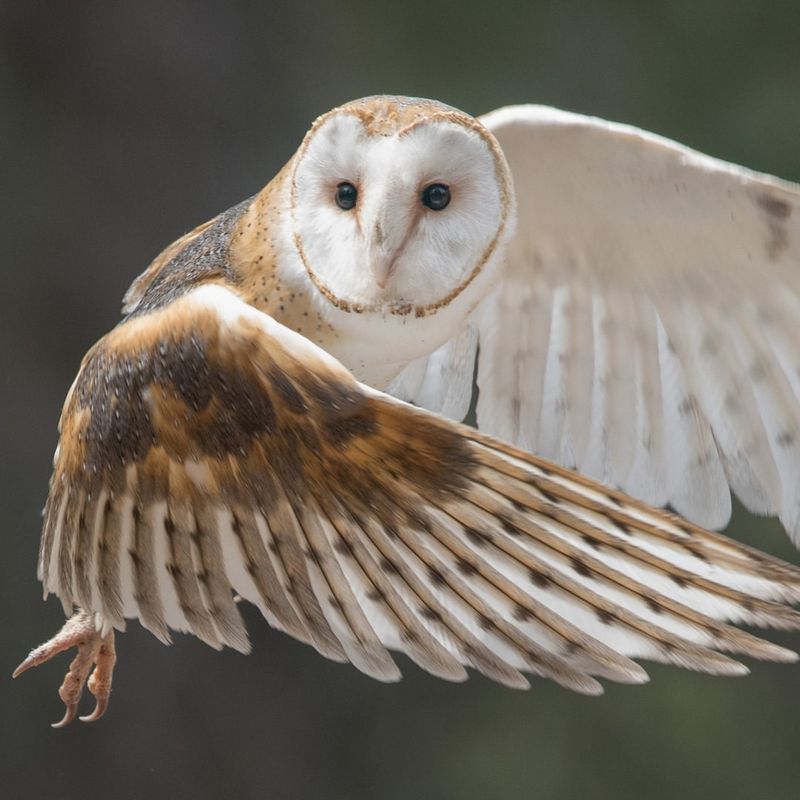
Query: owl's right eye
346, 195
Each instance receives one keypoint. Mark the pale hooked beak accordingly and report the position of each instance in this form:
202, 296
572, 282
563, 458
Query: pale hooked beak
385, 249
383, 269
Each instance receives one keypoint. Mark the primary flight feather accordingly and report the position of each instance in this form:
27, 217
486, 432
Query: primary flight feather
634, 305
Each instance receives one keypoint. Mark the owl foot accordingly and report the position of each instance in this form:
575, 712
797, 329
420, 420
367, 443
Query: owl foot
94, 651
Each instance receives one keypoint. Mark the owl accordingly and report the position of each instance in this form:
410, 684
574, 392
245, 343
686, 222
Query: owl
277, 418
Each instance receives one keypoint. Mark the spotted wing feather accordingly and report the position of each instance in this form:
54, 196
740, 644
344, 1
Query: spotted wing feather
206, 450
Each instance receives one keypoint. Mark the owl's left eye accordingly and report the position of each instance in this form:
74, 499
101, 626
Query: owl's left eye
346, 195
436, 196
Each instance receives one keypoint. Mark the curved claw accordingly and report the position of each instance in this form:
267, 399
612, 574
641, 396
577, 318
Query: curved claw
72, 710
99, 709
23, 667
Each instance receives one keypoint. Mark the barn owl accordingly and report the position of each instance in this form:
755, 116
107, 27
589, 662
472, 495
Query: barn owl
277, 415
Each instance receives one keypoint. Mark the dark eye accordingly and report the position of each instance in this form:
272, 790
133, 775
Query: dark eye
436, 196
346, 195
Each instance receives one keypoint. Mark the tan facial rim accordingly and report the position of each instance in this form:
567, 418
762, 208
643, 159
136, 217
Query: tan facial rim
503, 178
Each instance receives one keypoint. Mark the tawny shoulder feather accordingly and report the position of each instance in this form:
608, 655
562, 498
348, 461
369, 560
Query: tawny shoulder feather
198, 256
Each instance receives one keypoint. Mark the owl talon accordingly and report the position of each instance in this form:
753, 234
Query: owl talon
99, 709
94, 651
72, 710
100, 681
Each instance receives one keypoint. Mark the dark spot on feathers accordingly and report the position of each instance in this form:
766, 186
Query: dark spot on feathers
436, 576
286, 392
592, 541
486, 623
775, 207
391, 530
429, 613
549, 496
623, 528
377, 595
389, 566
758, 558
186, 370
777, 212
332, 399
533, 656
785, 439
508, 525
581, 567
680, 580
758, 371
466, 567
334, 603
409, 635
420, 520
686, 406
343, 547
732, 402
478, 537
605, 616
694, 550
521, 614
539, 578
653, 605
709, 346
341, 430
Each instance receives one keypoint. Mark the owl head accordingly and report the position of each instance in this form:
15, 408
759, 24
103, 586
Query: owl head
398, 204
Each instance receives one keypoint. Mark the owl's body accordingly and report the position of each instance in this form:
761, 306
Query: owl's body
219, 438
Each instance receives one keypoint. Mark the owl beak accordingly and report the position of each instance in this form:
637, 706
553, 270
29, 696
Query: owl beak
383, 269
385, 256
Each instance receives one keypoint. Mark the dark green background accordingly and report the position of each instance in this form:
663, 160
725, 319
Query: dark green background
122, 125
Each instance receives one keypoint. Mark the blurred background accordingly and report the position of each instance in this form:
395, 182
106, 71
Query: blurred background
125, 124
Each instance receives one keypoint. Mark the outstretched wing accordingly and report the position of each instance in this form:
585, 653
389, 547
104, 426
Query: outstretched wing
206, 449
646, 330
